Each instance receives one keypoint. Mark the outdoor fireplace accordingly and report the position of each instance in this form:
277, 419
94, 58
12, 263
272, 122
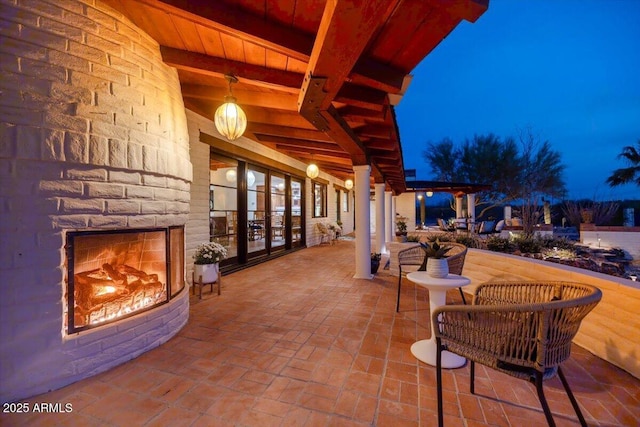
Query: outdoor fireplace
115, 274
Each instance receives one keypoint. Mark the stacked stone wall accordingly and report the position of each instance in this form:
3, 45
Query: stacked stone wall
93, 135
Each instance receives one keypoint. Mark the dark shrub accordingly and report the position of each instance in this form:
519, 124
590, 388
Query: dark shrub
499, 244
529, 245
468, 241
557, 242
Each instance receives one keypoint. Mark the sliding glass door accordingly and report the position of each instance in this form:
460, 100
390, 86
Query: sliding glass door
254, 211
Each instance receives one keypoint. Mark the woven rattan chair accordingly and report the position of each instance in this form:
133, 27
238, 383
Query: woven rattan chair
521, 329
411, 258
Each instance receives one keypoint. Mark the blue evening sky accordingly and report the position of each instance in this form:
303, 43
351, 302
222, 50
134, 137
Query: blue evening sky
567, 69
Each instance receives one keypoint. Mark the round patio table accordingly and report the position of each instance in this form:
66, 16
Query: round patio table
425, 350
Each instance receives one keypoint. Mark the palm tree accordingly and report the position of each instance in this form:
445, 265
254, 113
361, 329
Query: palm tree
630, 174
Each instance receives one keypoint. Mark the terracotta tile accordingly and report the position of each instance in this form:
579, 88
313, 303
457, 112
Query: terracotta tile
346, 403
174, 417
316, 347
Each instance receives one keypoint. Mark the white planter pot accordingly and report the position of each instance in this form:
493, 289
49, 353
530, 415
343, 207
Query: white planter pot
437, 267
209, 272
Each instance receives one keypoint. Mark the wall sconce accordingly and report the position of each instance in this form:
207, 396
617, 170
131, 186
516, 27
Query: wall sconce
419, 196
313, 171
229, 118
429, 193
348, 184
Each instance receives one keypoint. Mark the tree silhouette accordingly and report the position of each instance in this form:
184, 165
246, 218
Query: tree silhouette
526, 169
632, 173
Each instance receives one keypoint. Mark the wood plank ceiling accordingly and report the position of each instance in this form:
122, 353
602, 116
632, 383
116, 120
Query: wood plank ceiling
317, 79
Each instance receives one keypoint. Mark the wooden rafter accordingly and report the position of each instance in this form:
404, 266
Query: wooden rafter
218, 67
287, 131
277, 100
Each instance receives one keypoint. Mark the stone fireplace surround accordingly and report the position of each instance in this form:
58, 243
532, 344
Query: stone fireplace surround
93, 136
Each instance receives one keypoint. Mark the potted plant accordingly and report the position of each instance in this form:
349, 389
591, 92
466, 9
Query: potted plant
435, 263
401, 229
375, 262
206, 261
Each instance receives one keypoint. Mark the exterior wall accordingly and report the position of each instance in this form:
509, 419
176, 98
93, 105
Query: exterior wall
406, 206
626, 238
610, 331
92, 136
197, 228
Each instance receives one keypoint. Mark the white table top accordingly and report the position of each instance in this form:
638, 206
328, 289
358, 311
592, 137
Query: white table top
451, 281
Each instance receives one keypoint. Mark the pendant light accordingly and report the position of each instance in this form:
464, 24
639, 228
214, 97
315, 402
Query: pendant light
313, 171
348, 184
229, 118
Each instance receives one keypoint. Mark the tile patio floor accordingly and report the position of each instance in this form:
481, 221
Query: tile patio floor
297, 341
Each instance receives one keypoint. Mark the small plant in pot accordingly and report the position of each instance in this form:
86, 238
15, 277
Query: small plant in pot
435, 263
375, 262
206, 261
401, 227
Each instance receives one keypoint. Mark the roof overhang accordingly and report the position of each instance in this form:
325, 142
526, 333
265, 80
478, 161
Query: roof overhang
316, 79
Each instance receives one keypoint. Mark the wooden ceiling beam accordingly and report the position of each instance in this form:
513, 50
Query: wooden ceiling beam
258, 116
328, 160
362, 115
469, 10
282, 101
343, 24
237, 22
219, 67
374, 74
309, 150
374, 131
381, 144
362, 97
288, 131
302, 143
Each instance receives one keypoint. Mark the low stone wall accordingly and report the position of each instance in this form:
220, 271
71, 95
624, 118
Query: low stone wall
610, 331
625, 238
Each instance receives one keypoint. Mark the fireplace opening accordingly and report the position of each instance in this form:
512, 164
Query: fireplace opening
115, 274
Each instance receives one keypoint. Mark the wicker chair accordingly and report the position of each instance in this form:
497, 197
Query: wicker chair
521, 329
414, 256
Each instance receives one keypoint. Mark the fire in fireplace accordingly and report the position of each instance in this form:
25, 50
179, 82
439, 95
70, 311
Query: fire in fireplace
116, 274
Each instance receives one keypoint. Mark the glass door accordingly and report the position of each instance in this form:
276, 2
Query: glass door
296, 203
256, 211
223, 204
278, 230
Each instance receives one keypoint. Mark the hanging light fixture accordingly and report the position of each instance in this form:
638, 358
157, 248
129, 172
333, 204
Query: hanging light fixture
229, 118
313, 171
429, 193
348, 184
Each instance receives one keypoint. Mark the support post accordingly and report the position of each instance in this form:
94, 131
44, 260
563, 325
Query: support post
363, 232
388, 216
380, 221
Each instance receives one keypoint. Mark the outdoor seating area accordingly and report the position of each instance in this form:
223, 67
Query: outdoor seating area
313, 346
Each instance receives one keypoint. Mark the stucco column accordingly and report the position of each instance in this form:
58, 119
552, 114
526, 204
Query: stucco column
471, 209
388, 216
458, 206
380, 221
394, 200
363, 233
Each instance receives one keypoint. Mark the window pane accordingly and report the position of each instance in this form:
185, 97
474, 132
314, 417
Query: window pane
256, 212
223, 202
296, 212
319, 199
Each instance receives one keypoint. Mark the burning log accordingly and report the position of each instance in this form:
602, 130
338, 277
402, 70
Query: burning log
112, 291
